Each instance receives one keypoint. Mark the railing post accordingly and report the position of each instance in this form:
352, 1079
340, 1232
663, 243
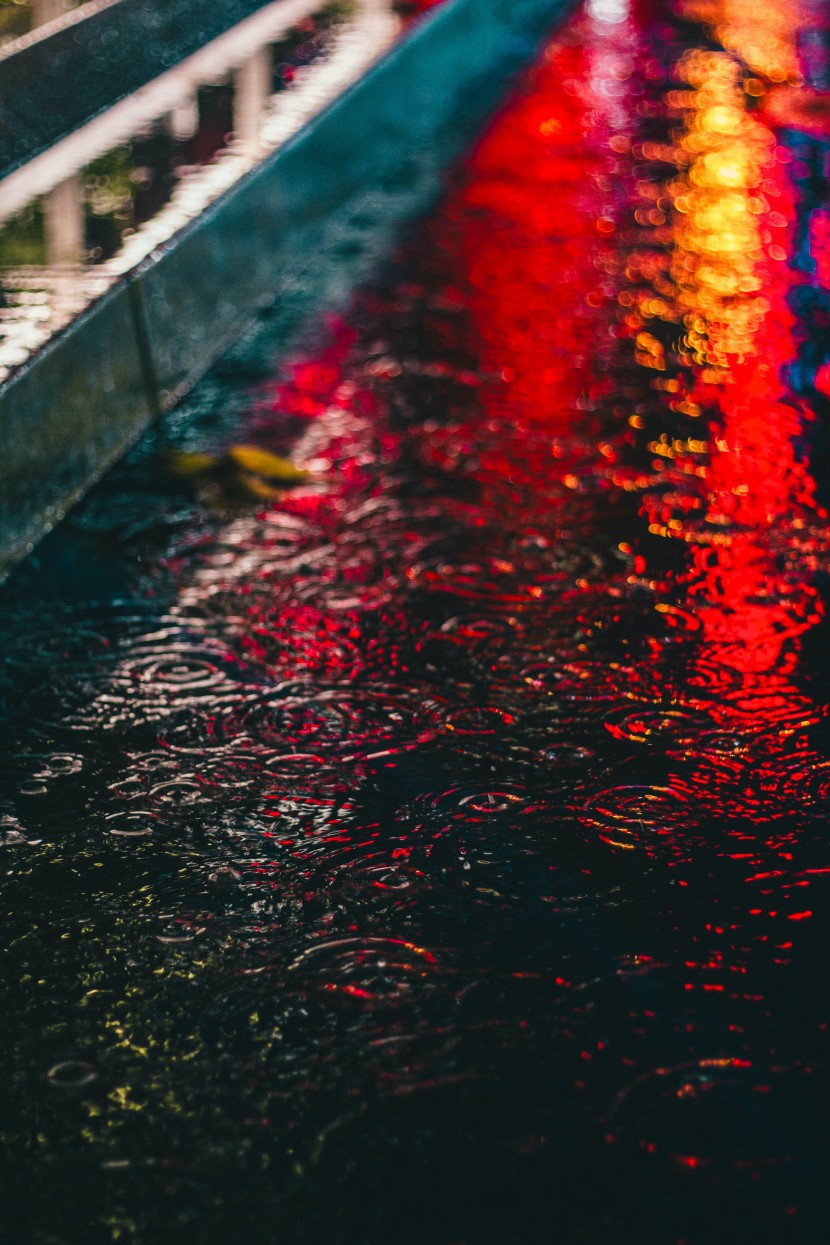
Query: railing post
183, 121
44, 11
64, 216
252, 90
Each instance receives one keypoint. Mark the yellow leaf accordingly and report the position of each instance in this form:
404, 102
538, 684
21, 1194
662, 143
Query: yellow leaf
262, 463
253, 488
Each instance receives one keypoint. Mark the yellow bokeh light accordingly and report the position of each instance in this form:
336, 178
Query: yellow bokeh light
718, 257
759, 31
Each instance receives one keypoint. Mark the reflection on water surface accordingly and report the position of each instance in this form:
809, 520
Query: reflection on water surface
434, 849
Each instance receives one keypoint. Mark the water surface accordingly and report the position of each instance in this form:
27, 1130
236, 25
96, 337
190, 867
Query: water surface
435, 849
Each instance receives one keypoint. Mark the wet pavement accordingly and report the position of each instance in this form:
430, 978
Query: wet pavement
434, 847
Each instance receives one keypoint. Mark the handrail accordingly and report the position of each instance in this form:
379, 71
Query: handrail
46, 169
61, 76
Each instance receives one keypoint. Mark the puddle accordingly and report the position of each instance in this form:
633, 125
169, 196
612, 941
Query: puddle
433, 847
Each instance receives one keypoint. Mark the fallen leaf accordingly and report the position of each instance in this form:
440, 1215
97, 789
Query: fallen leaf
269, 466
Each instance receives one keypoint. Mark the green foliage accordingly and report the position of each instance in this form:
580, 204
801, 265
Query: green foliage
108, 183
15, 19
22, 239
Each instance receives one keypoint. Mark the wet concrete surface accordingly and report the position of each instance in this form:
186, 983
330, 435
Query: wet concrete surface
432, 847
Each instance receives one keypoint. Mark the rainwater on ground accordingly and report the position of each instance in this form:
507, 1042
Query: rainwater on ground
430, 844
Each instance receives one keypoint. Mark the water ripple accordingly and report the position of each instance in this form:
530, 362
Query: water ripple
373, 970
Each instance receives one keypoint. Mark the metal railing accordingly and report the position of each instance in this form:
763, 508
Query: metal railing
77, 217
61, 75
